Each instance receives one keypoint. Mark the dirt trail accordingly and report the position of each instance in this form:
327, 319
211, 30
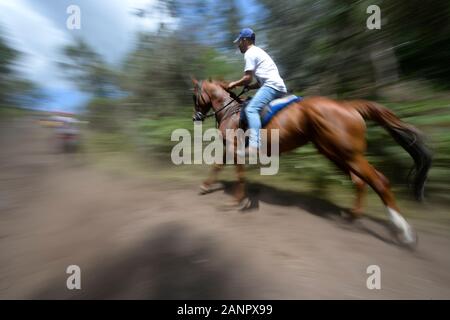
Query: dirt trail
150, 240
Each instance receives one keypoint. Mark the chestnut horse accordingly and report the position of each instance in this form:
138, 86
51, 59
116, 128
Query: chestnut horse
337, 129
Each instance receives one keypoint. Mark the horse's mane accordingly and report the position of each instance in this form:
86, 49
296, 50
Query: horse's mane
224, 85
221, 83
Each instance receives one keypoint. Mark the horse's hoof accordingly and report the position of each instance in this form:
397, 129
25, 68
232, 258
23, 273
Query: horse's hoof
232, 205
355, 213
408, 239
205, 189
229, 205
245, 204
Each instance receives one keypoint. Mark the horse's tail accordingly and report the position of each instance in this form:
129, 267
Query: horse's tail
406, 135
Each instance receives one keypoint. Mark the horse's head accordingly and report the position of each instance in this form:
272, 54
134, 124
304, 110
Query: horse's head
207, 94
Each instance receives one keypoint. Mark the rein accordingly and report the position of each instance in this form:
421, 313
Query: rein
234, 98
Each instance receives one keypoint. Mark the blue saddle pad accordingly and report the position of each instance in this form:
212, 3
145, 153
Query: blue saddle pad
270, 110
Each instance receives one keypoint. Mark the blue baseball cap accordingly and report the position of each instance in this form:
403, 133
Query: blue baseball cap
245, 33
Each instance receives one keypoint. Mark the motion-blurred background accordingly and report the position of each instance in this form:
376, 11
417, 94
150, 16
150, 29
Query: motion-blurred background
126, 70
124, 75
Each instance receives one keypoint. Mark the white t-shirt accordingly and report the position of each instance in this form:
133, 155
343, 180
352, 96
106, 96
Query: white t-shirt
264, 69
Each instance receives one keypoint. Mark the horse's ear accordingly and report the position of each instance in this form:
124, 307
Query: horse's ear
194, 81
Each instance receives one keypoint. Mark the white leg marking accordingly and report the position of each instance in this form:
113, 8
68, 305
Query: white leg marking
401, 224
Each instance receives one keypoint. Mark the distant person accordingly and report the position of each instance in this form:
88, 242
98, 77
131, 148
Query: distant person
67, 132
269, 83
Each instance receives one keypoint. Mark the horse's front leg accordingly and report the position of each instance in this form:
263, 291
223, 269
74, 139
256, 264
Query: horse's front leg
211, 184
361, 191
239, 192
241, 200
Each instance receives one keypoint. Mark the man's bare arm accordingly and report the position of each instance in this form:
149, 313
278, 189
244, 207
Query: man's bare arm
245, 80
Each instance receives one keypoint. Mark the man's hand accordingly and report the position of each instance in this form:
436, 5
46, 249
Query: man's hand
231, 85
253, 86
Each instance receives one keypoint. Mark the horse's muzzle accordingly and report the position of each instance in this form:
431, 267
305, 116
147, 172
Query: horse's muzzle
198, 116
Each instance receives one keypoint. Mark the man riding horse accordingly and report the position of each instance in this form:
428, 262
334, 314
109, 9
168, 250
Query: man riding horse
269, 84
335, 127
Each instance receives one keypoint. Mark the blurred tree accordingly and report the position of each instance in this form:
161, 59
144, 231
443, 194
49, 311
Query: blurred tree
26, 93
158, 70
422, 38
228, 21
102, 114
14, 88
7, 57
326, 43
316, 42
88, 70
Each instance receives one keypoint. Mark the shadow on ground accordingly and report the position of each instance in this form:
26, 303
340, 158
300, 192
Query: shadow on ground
378, 228
171, 264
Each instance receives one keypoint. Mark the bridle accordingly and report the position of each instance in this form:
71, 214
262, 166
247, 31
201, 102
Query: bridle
199, 116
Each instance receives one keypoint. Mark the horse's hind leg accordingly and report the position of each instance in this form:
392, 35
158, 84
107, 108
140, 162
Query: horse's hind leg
361, 191
360, 184
361, 167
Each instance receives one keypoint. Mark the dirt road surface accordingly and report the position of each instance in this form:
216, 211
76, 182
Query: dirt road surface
135, 238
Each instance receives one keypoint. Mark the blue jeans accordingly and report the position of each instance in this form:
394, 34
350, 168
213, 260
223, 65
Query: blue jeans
262, 97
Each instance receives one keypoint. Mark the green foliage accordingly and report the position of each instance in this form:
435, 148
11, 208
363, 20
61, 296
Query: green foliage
158, 71
99, 142
103, 115
15, 90
8, 112
7, 58
325, 45
421, 33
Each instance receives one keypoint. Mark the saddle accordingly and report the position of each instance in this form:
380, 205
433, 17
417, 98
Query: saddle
269, 110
